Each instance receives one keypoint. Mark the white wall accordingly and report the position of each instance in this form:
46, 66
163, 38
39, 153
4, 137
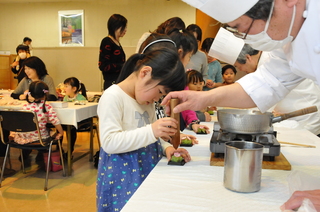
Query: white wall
39, 21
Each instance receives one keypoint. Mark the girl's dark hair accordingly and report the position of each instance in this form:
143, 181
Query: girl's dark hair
74, 82
22, 47
184, 40
171, 23
206, 44
38, 90
115, 22
195, 28
260, 10
224, 68
194, 76
153, 37
37, 64
165, 64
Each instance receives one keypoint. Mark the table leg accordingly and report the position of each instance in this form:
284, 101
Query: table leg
69, 149
91, 140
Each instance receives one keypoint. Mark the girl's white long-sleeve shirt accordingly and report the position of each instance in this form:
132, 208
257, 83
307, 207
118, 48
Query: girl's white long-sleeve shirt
124, 124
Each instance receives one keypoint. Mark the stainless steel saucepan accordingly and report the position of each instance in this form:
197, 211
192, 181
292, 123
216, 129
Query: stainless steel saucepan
249, 121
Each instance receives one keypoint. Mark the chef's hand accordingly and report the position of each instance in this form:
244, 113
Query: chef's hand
196, 127
189, 100
183, 152
190, 137
164, 127
297, 197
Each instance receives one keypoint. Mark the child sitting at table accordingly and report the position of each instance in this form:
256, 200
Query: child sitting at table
36, 98
72, 87
129, 131
228, 73
195, 82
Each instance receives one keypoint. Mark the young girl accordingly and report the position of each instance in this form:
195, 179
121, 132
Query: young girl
72, 87
185, 44
195, 82
129, 132
228, 73
38, 90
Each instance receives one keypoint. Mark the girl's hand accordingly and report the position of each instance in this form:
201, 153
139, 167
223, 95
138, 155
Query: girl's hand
195, 128
183, 152
208, 116
58, 136
190, 137
22, 97
164, 127
210, 83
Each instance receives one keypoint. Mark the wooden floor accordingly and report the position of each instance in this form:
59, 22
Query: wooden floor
24, 192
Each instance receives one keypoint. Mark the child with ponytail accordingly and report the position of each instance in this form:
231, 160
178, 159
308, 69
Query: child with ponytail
130, 134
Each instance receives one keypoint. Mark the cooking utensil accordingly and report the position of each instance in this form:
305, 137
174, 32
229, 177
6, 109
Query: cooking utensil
246, 121
242, 166
176, 138
295, 144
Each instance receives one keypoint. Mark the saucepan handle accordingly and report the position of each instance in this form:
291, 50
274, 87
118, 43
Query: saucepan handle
300, 112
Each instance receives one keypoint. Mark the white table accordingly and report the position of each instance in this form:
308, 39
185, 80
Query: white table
197, 186
69, 116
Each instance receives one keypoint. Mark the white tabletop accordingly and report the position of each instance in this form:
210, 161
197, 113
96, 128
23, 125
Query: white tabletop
70, 115
197, 186
73, 114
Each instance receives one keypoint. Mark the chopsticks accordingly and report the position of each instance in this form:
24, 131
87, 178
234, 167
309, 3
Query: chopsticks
295, 144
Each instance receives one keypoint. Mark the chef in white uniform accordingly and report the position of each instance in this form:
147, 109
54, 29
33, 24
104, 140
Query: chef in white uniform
266, 25
232, 50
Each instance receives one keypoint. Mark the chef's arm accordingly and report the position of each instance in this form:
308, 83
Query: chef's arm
230, 96
225, 96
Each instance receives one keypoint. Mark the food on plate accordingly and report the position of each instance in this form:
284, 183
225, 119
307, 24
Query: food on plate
176, 157
201, 130
186, 141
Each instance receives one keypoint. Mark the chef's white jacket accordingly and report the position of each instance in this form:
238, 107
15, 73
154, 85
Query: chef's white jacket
287, 67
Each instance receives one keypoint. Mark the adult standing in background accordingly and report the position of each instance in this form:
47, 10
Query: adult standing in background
214, 66
199, 61
27, 41
16, 67
164, 28
112, 56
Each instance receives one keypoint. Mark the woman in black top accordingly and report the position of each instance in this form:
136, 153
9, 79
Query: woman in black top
112, 56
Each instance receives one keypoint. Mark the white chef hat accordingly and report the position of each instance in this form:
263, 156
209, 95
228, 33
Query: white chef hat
223, 10
226, 47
